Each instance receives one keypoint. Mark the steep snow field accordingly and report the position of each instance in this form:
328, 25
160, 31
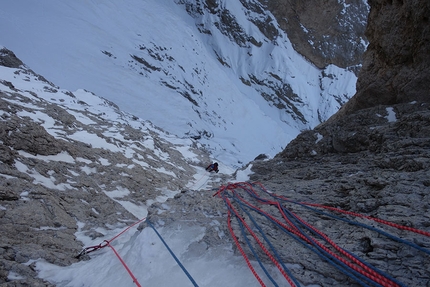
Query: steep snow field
149, 58
143, 252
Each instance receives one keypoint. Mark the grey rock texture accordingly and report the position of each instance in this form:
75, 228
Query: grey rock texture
324, 32
372, 157
367, 164
9, 59
53, 185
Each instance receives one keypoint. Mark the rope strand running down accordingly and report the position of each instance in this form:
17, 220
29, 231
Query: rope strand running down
173, 255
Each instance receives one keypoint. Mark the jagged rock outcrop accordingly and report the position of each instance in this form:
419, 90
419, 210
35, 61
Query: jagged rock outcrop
329, 35
396, 63
325, 32
329, 32
9, 59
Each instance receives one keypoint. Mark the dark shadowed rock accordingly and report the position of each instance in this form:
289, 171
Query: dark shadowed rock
396, 63
9, 59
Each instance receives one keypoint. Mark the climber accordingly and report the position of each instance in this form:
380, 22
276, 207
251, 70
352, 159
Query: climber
213, 167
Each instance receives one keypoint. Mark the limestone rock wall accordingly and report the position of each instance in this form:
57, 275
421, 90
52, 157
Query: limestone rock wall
370, 163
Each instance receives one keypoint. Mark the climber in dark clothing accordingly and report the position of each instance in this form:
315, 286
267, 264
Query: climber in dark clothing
213, 167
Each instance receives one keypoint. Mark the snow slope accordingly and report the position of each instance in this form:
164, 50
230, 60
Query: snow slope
143, 252
150, 59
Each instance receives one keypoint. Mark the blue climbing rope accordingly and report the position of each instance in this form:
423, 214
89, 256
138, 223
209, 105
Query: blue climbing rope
351, 222
293, 218
173, 255
242, 228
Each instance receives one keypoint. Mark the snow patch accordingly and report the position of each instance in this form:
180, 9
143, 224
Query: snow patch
63, 156
319, 137
243, 175
391, 117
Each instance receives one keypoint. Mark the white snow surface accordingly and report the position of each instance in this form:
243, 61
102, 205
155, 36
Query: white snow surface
142, 251
391, 117
89, 45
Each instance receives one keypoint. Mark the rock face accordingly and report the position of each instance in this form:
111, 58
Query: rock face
329, 34
396, 63
368, 163
325, 32
372, 157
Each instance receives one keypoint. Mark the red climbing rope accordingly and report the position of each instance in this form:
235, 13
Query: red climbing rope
125, 266
107, 243
260, 243
125, 230
392, 224
361, 268
241, 250
366, 271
